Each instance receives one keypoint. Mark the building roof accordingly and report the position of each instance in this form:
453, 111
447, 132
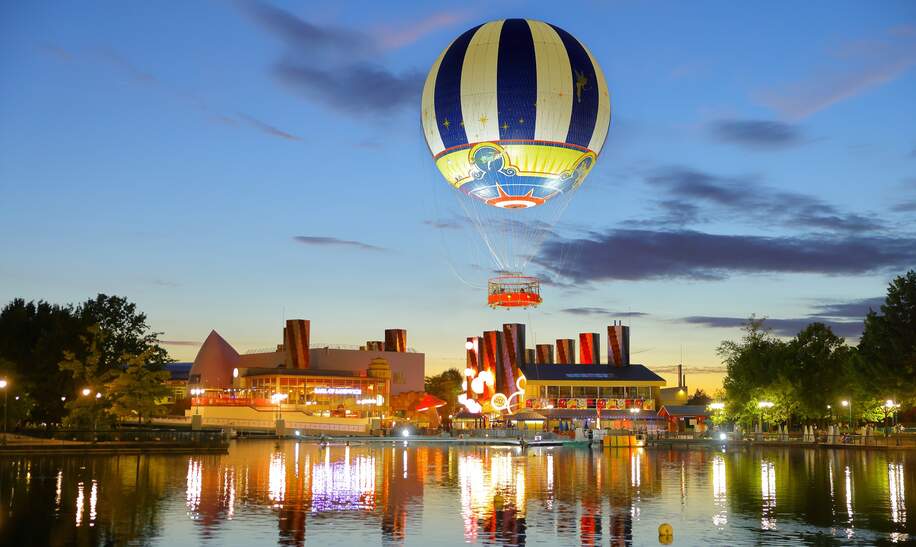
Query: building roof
214, 363
582, 373
684, 410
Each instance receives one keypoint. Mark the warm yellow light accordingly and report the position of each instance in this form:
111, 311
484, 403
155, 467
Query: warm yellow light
86, 391
3, 384
765, 404
844, 402
716, 406
888, 404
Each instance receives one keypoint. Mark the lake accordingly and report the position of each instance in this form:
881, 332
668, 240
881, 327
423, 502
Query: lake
290, 493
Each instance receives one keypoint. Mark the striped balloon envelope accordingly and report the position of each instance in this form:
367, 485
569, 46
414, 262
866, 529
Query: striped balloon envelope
515, 113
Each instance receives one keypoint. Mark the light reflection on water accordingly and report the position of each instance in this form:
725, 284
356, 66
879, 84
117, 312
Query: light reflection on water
291, 493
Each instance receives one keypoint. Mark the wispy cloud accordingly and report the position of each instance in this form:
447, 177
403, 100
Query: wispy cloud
405, 34
356, 89
267, 128
857, 309
323, 241
689, 254
851, 70
781, 327
756, 134
140, 76
189, 343
446, 224
588, 310
339, 67
692, 194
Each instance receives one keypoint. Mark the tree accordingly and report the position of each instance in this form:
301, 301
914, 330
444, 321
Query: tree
136, 390
699, 397
33, 337
126, 332
753, 369
887, 349
445, 386
818, 370
90, 407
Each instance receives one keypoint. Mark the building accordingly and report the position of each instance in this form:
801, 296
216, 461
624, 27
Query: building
304, 384
504, 376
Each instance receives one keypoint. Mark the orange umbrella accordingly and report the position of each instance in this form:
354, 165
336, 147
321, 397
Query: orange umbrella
429, 401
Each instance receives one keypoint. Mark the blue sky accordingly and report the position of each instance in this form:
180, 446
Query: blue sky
760, 160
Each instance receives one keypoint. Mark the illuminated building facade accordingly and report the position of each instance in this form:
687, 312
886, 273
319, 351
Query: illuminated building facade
500, 376
300, 379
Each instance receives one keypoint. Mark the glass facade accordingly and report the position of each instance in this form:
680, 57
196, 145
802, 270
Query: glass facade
323, 395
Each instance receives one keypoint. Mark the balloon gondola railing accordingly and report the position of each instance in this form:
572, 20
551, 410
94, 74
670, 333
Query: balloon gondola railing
513, 291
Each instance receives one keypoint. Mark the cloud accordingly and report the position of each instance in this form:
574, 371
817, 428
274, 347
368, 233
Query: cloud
190, 343
140, 76
852, 70
603, 311
628, 254
267, 128
450, 224
334, 242
781, 327
299, 33
745, 197
756, 134
905, 207
855, 309
356, 89
393, 38
337, 67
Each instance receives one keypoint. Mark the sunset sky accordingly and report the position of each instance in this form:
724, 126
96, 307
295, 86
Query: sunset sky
227, 165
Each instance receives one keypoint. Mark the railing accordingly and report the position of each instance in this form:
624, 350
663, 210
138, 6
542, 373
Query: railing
199, 437
879, 440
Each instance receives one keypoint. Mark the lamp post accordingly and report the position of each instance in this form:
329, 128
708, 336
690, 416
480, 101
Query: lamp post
635, 412
763, 405
3, 384
848, 404
95, 417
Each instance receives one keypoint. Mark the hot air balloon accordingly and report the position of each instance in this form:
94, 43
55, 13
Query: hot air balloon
515, 113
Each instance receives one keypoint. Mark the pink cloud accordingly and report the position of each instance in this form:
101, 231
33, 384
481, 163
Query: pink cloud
397, 37
855, 68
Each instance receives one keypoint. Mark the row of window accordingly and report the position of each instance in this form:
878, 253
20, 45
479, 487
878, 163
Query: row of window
595, 392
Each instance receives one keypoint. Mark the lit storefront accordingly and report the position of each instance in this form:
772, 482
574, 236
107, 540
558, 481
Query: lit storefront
316, 392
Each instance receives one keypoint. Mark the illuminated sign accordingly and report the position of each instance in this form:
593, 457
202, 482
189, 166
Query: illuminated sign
338, 391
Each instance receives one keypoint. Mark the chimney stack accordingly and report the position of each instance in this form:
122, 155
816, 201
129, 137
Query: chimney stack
566, 351
396, 340
544, 354
296, 341
514, 346
530, 356
589, 346
492, 357
618, 345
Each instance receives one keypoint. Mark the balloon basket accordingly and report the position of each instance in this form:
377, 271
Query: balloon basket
513, 291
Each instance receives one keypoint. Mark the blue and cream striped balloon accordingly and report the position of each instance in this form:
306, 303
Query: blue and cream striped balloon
515, 112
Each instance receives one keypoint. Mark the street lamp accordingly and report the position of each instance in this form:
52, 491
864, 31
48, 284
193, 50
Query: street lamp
3, 384
196, 392
763, 405
846, 403
276, 399
95, 417
86, 391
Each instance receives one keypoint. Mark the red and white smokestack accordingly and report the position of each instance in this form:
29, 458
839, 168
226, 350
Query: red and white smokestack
396, 340
566, 351
589, 347
544, 354
618, 345
296, 341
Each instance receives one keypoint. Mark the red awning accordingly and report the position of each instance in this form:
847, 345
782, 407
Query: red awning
429, 401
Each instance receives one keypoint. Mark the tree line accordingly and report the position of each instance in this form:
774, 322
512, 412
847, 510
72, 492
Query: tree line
85, 365
808, 377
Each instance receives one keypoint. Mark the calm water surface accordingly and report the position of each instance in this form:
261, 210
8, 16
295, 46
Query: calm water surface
265, 493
